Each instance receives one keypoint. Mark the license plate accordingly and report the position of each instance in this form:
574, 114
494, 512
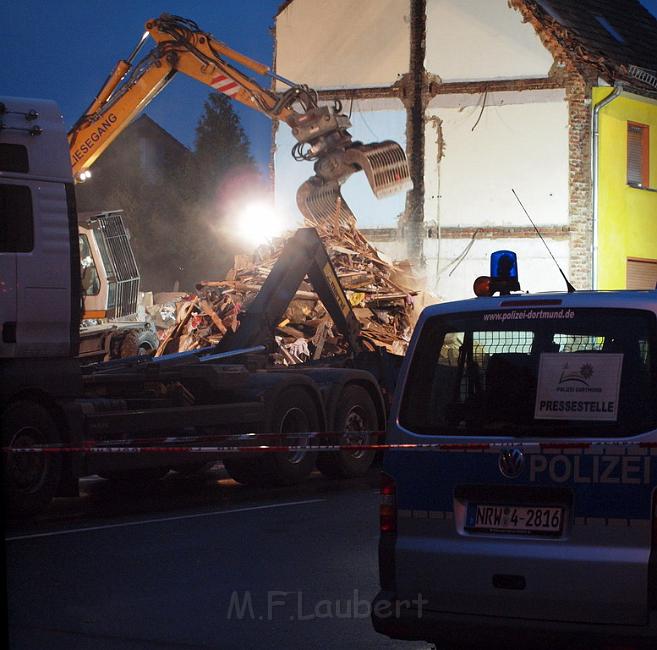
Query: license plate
515, 519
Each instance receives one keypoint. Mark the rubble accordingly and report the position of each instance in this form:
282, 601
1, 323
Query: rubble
381, 294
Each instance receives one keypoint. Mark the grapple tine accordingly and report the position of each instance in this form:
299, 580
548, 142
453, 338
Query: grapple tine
384, 164
321, 203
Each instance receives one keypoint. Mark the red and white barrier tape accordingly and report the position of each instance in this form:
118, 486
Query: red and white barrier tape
129, 446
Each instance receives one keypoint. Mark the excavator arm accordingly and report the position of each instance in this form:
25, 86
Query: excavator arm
304, 255
321, 131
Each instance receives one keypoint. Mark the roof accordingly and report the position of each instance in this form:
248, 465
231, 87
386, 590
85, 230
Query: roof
146, 125
283, 6
616, 37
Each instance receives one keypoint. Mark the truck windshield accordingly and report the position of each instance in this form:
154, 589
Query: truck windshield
549, 372
88, 271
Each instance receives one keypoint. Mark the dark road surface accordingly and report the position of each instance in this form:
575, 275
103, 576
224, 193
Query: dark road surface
198, 563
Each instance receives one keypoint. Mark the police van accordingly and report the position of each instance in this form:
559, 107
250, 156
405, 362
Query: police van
518, 505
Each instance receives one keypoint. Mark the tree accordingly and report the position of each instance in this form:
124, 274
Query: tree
221, 146
225, 177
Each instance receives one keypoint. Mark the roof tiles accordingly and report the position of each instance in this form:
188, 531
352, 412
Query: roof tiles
611, 34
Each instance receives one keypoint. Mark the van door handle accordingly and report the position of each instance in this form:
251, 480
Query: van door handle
9, 331
505, 581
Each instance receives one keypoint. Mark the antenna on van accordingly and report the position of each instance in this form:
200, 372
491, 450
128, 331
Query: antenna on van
569, 286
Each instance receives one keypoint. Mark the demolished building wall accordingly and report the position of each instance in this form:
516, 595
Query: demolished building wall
497, 111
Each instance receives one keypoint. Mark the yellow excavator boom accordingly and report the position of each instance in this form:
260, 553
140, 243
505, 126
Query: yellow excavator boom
321, 131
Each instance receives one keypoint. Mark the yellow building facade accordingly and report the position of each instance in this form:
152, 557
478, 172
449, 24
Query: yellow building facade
626, 191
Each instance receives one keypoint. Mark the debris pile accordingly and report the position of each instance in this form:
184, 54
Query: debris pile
380, 293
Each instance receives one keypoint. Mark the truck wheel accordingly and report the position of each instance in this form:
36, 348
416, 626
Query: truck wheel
295, 411
354, 413
31, 479
137, 342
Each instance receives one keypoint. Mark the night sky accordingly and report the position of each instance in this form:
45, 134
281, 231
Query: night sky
64, 49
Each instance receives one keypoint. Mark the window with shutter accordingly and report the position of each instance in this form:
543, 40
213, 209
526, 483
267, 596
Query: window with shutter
637, 154
641, 274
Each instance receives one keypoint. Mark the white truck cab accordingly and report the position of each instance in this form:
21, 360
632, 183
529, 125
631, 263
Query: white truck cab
46, 252
522, 511
39, 262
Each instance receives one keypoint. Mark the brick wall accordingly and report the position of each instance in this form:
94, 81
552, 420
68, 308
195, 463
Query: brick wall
578, 94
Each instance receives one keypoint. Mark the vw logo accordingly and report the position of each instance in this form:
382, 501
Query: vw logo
511, 462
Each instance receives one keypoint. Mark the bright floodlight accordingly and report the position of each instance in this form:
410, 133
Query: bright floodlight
258, 223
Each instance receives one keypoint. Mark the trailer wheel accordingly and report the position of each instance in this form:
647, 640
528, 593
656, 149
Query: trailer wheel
137, 477
137, 342
30, 479
355, 413
294, 411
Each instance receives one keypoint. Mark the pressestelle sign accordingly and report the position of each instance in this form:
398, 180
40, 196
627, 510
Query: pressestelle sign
578, 386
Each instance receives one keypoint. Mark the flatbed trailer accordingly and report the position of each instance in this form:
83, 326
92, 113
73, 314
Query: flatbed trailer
222, 394
48, 398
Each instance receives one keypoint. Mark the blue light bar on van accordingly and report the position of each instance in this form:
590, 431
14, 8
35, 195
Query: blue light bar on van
503, 275
504, 265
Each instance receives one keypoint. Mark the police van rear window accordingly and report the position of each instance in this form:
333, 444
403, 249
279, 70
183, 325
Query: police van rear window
550, 372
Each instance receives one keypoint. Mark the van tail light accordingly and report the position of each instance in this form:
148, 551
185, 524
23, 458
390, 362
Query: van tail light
652, 562
388, 536
388, 505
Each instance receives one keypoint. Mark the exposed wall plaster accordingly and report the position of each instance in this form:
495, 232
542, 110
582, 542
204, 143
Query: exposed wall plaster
465, 258
437, 123
472, 40
435, 229
343, 44
492, 148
